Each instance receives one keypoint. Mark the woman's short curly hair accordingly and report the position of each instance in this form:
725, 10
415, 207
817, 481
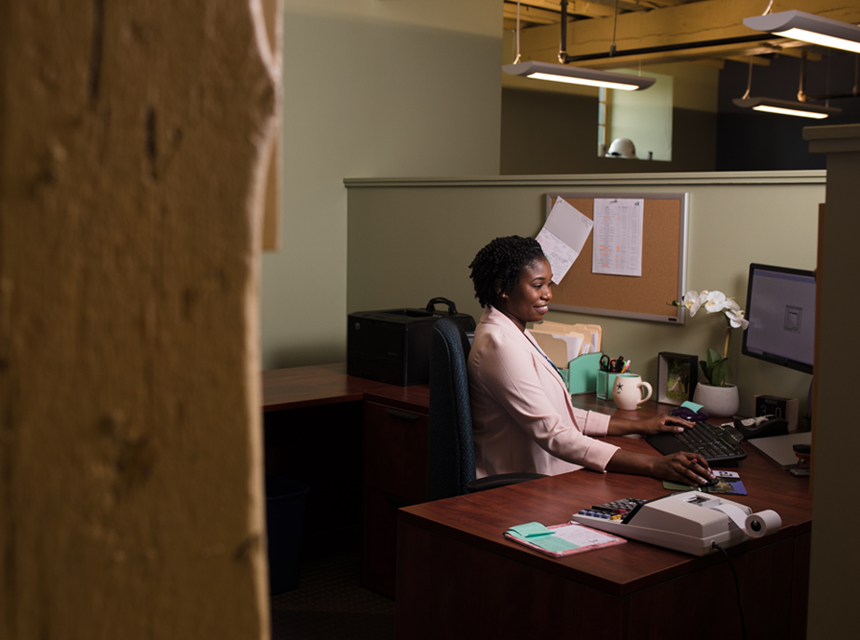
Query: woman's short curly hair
496, 269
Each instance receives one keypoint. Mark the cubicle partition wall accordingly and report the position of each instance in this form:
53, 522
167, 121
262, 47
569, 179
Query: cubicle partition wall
410, 240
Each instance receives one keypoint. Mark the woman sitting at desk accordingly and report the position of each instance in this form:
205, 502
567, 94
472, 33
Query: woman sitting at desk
522, 416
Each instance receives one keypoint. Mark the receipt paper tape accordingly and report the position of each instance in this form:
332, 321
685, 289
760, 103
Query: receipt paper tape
755, 525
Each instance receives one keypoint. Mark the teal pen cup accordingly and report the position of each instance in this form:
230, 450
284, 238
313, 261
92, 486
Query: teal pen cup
605, 382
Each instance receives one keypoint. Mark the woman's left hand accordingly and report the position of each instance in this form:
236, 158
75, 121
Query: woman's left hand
661, 424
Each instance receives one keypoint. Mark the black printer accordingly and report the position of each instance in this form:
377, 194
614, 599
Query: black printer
393, 346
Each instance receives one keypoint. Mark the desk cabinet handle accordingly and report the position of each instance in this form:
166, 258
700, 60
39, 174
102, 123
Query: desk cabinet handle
403, 415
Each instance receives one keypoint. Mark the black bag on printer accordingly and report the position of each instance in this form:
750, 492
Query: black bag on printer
393, 346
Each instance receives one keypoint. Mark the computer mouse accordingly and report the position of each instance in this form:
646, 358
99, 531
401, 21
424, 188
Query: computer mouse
712, 482
686, 413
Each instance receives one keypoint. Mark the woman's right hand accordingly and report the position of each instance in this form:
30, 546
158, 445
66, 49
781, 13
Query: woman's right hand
685, 467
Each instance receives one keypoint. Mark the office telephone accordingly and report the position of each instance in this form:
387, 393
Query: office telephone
761, 427
690, 522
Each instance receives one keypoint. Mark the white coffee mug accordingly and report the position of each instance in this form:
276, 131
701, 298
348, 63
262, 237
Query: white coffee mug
629, 391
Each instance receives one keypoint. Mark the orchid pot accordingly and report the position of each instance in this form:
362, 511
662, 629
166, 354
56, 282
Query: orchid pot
718, 401
717, 397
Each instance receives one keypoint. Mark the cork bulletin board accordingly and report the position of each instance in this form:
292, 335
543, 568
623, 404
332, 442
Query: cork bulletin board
664, 263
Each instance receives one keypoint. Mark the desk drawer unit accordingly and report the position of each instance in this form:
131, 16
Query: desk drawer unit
395, 475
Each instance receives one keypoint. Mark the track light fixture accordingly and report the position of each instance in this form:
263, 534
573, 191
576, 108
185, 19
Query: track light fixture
799, 25
573, 75
578, 75
785, 107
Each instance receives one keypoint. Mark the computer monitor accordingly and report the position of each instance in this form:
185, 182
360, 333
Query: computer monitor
781, 312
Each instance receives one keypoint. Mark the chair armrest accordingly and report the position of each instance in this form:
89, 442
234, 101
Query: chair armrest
501, 480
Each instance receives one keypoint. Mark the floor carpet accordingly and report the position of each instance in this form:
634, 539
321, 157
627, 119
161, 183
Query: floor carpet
329, 603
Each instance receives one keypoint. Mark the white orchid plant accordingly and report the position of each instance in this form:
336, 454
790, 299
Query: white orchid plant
715, 368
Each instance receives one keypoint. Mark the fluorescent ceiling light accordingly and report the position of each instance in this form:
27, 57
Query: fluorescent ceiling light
786, 107
578, 75
799, 25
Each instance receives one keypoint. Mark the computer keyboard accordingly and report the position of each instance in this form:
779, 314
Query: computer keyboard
719, 445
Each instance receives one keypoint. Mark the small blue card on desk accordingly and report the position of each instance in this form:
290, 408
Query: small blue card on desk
727, 486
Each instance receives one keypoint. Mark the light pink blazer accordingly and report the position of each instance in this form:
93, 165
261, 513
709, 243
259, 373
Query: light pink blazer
522, 417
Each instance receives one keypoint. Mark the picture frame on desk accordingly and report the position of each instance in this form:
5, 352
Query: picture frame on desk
677, 375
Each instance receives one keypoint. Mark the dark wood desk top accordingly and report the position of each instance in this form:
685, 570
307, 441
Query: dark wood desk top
299, 387
481, 519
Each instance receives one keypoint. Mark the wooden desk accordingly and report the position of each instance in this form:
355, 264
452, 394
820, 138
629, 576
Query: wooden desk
454, 549
360, 444
299, 387
458, 577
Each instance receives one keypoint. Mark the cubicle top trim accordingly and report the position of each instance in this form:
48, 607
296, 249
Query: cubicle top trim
602, 180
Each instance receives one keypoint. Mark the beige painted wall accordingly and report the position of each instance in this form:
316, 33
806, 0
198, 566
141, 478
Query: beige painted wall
370, 88
410, 241
131, 144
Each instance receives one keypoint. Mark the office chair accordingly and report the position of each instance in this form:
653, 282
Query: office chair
450, 448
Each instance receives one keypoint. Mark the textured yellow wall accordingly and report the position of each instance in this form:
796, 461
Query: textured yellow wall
133, 139
371, 88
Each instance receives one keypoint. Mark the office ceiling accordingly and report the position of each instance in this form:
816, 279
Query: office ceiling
661, 31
